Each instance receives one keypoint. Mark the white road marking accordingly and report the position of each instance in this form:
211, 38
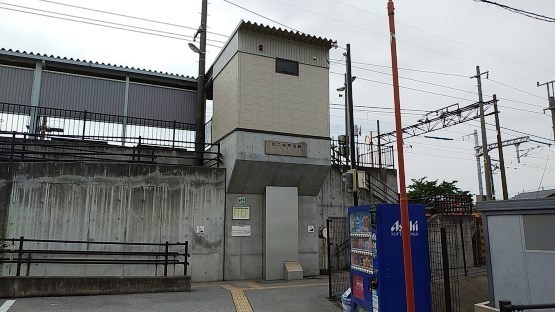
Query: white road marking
6, 306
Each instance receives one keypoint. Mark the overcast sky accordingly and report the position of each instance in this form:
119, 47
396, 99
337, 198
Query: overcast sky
444, 36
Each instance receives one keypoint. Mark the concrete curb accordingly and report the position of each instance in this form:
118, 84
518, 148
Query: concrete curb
44, 286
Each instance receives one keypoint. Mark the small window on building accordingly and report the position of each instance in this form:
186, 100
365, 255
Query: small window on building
287, 67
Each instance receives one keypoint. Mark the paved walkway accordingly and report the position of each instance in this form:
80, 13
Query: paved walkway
241, 296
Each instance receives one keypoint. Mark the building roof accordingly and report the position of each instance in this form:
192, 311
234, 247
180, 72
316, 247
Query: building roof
535, 194
285, 34
29, 58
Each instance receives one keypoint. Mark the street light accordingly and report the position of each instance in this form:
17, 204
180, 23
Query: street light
193, 47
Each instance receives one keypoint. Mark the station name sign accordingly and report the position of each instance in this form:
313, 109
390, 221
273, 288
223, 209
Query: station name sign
285, 148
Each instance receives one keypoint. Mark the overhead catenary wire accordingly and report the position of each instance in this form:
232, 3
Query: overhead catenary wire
157, 33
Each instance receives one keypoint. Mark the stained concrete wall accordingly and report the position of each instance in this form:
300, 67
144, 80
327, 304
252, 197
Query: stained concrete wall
244, 255
115, 202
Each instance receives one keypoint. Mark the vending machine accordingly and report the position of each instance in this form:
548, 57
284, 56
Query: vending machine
377, 271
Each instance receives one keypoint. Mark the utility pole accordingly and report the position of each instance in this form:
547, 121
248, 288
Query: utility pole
551, 98
201, 94
351, 120
403, 202
500, 147
478, 164
487, 163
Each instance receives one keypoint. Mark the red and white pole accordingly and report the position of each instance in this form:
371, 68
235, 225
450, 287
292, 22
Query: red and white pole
405, 232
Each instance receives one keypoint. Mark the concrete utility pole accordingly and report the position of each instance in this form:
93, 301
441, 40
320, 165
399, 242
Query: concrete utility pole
487, 163
500, 147
403, 202
201, 94
351, 121
551, 98
478, 164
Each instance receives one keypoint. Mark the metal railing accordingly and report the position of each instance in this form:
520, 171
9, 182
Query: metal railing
507, 306
83, 252
26, 147
451, 204
86, 125
368, 155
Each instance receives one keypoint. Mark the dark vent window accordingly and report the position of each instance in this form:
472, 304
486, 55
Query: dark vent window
287, 67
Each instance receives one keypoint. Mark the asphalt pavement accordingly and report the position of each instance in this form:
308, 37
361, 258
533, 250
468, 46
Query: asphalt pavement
240, 296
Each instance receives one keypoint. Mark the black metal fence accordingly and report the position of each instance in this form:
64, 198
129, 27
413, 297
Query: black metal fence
338, 256
507, 306
26, 147
444, 269
90, 125
73, 252
69, 135
451, 204
367, 155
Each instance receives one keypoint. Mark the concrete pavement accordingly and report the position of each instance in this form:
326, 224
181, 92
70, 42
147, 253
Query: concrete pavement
240, 296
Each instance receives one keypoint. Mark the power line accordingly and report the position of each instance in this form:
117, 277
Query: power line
517, 89
128, 16
153, 33
260, 15
443, 37
407, 69
522, 12
448, 87
406, 78
103, 21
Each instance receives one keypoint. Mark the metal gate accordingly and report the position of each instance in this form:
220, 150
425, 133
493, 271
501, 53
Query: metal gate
338, 256
444, 267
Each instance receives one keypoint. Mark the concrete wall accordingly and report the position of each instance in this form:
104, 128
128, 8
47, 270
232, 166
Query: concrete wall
115, 202
244, 255
75, 150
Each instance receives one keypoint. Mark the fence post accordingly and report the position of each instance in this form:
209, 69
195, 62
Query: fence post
505, 306
23, 145
139, 150
462, 245
173, 139
446, 278
166, 259
186, 263
19, 256
84, 124
329, 256
13, 146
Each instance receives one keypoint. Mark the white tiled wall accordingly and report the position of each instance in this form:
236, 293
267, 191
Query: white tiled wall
283, 103
226, 100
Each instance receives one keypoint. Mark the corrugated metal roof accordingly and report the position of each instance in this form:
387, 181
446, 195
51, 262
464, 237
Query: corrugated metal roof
535, 194
108, 66
285, 34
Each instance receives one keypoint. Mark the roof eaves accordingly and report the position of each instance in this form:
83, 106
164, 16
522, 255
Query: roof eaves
108, 66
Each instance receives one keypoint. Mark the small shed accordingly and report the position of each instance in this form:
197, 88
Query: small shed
520, 244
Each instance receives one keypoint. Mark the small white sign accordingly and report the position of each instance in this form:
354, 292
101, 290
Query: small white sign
200, 229
240, 230
311, 229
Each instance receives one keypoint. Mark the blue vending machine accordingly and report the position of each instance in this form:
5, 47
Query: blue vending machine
377, 271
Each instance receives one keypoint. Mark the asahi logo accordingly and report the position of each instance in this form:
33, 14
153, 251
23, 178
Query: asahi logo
396, 228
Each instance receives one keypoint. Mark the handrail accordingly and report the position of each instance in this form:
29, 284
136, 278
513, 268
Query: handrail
25, 256
507, 306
